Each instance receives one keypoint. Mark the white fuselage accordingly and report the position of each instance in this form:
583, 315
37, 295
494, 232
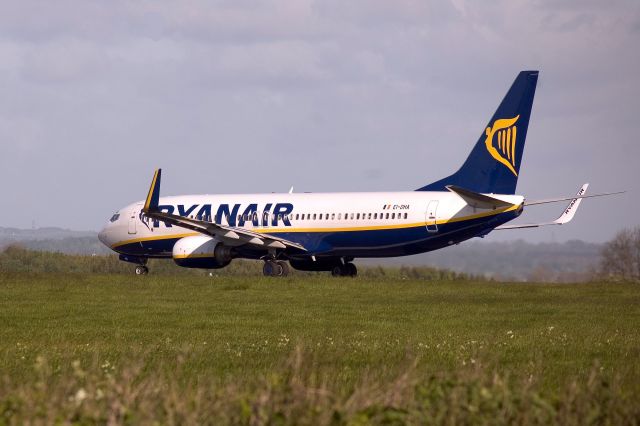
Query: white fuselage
306, 216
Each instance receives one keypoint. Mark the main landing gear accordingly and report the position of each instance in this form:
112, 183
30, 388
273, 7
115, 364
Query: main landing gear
275, 268
346, 270
142, 270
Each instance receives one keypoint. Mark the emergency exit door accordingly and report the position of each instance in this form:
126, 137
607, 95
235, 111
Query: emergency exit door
431, 221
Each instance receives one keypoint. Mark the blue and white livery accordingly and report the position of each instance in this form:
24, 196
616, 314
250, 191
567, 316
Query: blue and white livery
327, 231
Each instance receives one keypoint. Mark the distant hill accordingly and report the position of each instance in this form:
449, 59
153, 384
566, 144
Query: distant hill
53, 239
515, 260
520, 261
48, 233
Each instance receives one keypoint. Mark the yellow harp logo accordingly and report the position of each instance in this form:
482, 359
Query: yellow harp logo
504, 132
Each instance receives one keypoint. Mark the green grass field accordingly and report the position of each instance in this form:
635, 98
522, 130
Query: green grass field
191, 349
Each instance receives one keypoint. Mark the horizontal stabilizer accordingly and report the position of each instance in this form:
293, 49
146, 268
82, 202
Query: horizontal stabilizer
478, 200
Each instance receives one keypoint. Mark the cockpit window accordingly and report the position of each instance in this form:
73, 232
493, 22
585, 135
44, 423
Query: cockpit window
114, 217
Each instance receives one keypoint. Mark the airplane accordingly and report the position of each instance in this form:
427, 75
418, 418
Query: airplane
328, 231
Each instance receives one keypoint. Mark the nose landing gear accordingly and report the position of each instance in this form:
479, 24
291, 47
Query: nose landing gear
142, 270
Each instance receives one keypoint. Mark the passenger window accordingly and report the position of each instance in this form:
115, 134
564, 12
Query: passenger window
405, 215
375, 215
369, 216
314, 216
339, 216
387, 216
297, 215
358, 216
393, 215
333, 216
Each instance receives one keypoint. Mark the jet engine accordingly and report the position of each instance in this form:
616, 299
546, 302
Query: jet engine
200, 251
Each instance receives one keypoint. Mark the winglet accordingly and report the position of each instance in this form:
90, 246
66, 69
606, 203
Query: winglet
566, 216
153, 197
571, 209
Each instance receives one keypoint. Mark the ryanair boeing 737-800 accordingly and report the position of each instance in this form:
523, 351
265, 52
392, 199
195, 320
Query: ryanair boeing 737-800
326, 232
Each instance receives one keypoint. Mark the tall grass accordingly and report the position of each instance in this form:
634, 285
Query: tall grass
187, 348
304, 391
17, 259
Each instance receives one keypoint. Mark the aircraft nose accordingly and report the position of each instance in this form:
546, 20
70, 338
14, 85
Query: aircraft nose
103, 237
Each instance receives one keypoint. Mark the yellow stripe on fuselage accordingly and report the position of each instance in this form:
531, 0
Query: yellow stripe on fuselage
343, 229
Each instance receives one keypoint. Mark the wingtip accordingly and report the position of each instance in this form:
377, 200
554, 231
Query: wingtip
153, 196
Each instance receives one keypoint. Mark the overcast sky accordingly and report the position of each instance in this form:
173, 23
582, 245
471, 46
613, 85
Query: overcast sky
257, 96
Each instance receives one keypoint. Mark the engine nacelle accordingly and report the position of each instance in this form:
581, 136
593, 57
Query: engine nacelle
200, 251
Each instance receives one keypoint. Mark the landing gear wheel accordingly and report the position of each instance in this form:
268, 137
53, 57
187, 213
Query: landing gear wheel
285, 268
346, 270
267, 269
142, 270
351, 270
274, 268
277, 269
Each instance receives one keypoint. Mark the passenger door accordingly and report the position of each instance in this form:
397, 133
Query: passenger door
133, 218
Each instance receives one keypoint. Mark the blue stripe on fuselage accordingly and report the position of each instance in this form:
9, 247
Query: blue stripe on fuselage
368, 243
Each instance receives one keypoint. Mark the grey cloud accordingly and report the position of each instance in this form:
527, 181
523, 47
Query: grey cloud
243, 97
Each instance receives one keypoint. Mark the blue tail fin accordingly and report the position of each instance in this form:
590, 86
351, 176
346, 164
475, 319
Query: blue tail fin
494, 163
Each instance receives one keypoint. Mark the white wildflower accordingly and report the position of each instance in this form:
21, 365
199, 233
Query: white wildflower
80, 396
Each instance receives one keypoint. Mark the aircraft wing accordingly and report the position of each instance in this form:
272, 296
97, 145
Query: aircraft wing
231, 234
566, 216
